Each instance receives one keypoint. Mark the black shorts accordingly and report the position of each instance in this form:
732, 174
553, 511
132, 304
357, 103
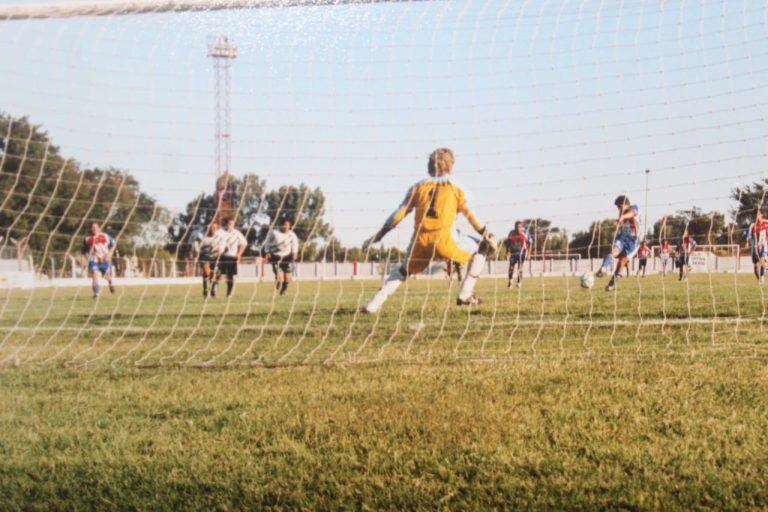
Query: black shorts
205, 259
642, 262
683, 259
227, 265
757, 255
517, 258
281, 264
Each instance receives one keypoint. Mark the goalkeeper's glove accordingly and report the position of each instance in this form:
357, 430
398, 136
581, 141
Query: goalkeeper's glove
488, 245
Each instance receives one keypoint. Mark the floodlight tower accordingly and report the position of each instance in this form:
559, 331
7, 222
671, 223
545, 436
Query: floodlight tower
223, 52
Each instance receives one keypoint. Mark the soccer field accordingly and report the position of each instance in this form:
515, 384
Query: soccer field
551, 397
319, 322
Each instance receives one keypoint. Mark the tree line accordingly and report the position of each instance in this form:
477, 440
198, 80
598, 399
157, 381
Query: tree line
47, 202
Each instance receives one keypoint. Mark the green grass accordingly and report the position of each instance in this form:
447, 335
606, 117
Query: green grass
556, 398
318, 323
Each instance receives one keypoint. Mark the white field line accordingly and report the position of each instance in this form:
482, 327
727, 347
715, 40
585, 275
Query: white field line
557, 323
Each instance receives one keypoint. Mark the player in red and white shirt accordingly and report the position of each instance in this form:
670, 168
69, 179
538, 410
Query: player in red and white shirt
684, 249
757, 239
98, 248
664, 253
517, 244
642, 258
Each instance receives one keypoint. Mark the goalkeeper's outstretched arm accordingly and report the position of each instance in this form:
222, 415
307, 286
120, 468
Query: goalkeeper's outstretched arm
464, 210
393, 220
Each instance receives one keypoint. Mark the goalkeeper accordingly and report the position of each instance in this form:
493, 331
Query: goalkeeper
436, 201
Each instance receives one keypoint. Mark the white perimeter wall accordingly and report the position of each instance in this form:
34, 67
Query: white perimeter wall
18, 274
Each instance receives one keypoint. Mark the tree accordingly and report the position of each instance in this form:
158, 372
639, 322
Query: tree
304, 207
748, 200
257, 210
546, 237
248, 201
596, 241
706, 227
47, 202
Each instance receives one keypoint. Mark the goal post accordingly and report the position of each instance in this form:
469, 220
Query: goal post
123, 116
705, 258
42, 10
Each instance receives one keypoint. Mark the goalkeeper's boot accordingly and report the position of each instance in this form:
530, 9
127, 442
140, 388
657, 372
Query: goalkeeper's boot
471, 301
611, 284
111, 288
509, 285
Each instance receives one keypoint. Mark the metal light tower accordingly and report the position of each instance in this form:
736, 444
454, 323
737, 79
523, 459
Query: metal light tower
223, 53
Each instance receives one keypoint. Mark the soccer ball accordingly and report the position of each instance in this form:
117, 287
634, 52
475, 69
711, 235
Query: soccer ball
587, 280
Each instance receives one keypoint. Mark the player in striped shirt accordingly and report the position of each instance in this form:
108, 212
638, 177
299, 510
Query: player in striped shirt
684, 249
627, 239
517, 243
757, 239
98, 248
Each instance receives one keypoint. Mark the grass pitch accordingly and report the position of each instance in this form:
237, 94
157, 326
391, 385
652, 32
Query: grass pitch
549, 397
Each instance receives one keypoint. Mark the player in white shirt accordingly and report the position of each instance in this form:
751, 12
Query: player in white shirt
281, 249
210, 246
233, 246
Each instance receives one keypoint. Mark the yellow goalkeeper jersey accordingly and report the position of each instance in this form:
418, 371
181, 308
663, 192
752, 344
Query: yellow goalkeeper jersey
437, 202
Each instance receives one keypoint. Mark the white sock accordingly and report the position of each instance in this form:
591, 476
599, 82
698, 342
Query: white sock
473, 272
389, 287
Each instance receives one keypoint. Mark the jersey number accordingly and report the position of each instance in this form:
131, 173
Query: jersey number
432, 212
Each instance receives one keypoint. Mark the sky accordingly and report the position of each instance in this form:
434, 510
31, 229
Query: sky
552, 108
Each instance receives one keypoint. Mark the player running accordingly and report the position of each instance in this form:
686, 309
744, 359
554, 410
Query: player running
757, 239
684, 249
664, 255
233, 246
517, 243
281, 249
642, 258
210, 250
98, 248
627, 239
436, 201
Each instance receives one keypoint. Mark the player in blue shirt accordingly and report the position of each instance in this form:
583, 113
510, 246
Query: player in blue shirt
627, 240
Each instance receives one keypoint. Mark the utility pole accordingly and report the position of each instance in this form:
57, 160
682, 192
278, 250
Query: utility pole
645, 208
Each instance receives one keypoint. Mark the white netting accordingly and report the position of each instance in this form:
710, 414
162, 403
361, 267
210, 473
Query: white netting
551, 108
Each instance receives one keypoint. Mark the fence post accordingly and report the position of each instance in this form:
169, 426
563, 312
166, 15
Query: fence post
74, 265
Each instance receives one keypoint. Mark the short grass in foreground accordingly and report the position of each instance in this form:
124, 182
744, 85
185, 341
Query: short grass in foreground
679, 433
319, 322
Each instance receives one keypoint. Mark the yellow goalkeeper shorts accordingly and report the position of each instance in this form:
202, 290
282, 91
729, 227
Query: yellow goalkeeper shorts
430, 246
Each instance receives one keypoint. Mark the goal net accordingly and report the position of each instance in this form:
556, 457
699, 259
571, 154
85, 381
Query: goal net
128, 128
